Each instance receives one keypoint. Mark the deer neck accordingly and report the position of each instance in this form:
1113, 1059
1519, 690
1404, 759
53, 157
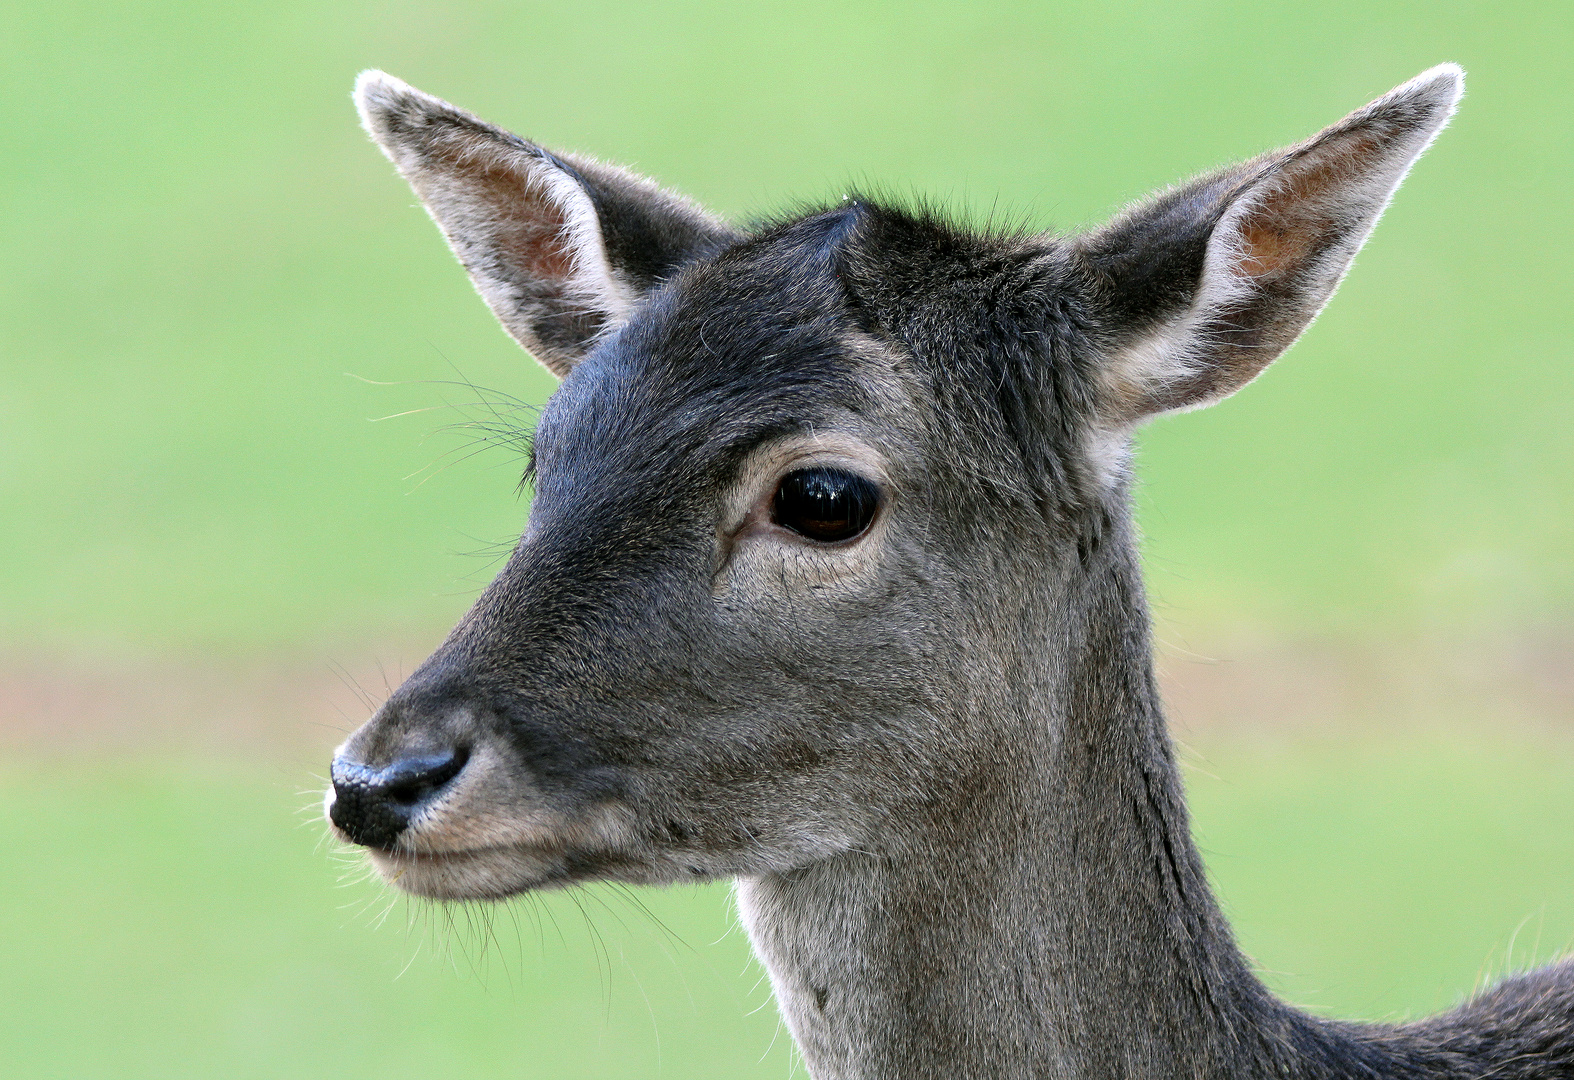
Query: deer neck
1059, 927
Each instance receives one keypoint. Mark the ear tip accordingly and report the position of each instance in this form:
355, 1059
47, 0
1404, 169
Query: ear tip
1421, 107
1440, 86
372, 86
379, 97
1447, 78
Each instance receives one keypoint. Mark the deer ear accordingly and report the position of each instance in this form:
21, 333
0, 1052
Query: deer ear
1204, 285
560, 247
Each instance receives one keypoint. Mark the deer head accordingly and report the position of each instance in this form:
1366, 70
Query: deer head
826, 513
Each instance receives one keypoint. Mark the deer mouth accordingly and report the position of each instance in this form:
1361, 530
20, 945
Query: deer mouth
503, 859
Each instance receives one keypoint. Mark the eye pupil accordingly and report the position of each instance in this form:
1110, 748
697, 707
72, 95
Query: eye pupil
825, 504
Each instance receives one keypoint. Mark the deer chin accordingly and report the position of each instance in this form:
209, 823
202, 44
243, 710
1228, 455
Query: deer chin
479, 874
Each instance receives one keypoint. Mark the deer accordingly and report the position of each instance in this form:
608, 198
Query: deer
830, 586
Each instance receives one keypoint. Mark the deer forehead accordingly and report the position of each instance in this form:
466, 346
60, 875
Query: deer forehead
716, 381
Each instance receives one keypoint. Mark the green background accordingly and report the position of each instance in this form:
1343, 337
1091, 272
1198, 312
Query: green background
212, 282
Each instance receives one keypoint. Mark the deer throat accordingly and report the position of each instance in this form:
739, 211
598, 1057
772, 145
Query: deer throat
1079, 941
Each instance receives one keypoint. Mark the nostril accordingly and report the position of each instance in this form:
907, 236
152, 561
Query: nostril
414, 780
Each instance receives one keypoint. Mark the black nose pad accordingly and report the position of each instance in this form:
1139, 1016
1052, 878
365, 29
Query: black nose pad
373, 806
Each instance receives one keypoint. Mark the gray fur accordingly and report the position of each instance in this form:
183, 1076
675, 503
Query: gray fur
933, 755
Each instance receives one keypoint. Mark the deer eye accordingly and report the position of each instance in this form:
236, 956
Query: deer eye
825, 504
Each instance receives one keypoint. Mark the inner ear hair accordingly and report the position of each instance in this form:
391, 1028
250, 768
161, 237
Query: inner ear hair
1201, 287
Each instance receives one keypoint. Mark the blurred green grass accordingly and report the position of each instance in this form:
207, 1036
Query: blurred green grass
199, 245
163, 921
1385, 874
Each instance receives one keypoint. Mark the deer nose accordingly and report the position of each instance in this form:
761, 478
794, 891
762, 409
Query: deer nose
374, 805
